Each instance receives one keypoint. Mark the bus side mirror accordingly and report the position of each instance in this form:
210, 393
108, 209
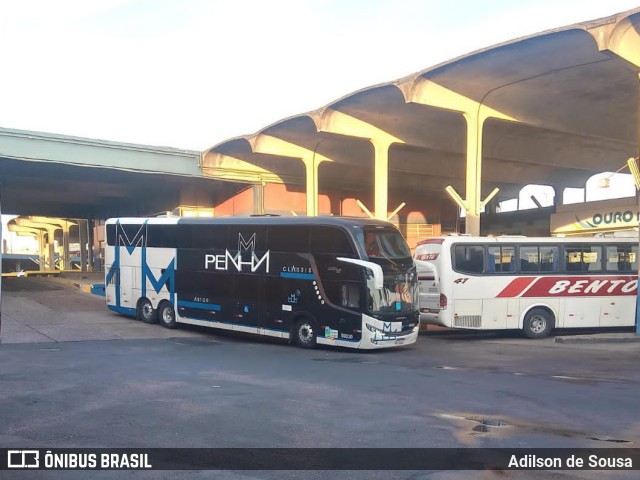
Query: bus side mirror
378, 275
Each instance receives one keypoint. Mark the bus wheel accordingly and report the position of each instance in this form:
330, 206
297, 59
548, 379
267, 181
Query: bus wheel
167, 315
146, 313
305, 333
537, 323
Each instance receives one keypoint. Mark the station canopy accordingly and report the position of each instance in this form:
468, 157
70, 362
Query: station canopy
552, 109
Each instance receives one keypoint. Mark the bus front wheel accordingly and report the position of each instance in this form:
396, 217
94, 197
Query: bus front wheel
146, 312
305, 333
168, 315
537, 323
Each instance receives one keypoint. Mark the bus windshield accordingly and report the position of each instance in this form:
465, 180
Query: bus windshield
385, 243
386, 247
399, 294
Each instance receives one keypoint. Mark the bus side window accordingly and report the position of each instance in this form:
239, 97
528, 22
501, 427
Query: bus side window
285, 238
500, 259
573, 259
621, 258
529, 259
583, 258
491, 261
592, 257
549, 258
507, 255
330, 240
469, 258
111, 234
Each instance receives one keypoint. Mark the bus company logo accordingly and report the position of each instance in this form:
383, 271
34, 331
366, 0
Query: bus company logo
139, 239
427, 256
588, 287
23, 459
227, 260
567, 287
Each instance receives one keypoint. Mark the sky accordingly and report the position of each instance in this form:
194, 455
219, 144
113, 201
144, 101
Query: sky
192, 73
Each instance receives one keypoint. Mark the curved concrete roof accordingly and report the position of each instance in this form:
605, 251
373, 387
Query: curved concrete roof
559, 106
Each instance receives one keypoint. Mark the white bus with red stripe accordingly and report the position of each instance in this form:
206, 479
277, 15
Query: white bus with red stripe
530, 284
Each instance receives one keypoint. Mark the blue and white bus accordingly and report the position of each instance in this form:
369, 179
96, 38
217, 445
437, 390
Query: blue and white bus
326, 280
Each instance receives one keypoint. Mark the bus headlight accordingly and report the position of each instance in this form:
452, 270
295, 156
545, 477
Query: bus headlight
373, 329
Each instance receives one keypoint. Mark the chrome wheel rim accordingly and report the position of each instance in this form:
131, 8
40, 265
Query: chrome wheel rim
305, 333
538, 324
147, 310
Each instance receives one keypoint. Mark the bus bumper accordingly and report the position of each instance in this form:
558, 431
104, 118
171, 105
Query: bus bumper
378, 334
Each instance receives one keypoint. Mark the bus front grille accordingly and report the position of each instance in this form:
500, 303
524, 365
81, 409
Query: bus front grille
467, 321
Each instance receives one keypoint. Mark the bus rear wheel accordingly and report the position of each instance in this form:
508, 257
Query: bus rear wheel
305, 333
537, 323
167, 315
146, 312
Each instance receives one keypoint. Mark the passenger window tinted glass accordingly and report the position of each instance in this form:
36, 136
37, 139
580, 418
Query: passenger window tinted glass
622, 258
469, 258
549, 258
538, 258
111, 234
529, 258
289, 238
164, 236
330, 240
500, 259
202, 236
130, 234
585, 258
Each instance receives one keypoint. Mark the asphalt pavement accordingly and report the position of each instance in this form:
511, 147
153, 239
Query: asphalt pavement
73, 374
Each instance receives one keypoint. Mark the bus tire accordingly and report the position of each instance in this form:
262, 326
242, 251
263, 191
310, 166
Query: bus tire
305, 333
167, 315
146, 312
538, 322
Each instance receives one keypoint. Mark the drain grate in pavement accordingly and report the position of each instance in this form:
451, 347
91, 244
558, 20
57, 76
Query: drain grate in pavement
486, 424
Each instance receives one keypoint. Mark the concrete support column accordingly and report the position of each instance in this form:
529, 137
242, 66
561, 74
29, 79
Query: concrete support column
311, 175
258, 199
84, 238
92, 266
310, 158
381, 179
42, 242
473, 176
51, 237
558, 194
64, 261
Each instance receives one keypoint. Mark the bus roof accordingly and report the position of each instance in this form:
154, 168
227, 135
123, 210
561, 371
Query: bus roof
522, 239
257, 220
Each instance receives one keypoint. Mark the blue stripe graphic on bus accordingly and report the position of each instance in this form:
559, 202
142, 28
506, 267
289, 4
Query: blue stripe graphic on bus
299, 276
203, 306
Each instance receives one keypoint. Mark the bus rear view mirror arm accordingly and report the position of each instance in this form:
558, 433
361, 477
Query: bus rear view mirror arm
378, 276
